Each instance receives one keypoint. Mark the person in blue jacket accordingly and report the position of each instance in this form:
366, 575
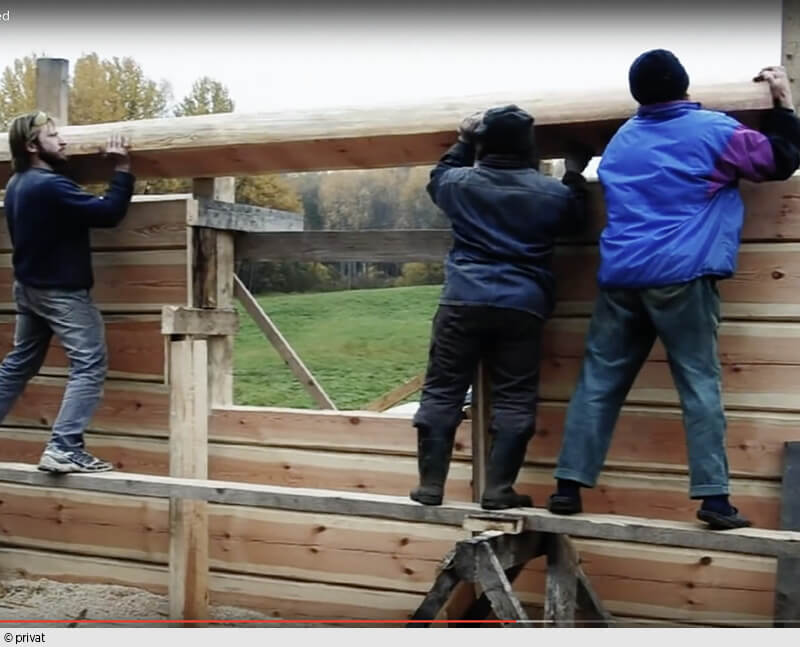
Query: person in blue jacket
498, 291
48, 218
670, 178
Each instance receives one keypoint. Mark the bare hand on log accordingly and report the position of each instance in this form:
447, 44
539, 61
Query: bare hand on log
117, 148
778, 84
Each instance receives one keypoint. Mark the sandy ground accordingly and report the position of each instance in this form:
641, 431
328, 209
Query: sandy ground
50, 600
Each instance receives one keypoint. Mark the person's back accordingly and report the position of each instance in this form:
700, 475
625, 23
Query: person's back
674, 209
498, 291
670, 177
505, 219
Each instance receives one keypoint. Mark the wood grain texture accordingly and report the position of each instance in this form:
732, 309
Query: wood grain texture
646, 438
152, 222
135, 348
617, 492
126, 407
357, 137
135, 281
672, 582
229, 216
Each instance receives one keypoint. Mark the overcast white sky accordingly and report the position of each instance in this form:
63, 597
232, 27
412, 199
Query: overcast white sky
271, 57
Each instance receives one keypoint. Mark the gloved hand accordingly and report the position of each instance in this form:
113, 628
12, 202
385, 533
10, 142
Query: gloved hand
466, 130
578, 157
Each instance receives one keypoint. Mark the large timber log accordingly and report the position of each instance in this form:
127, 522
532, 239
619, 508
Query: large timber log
361, 137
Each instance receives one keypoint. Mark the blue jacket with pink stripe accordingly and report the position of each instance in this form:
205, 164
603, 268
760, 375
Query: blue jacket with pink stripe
670, 178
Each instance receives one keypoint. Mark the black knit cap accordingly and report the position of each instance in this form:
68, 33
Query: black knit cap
505, 130
658, 76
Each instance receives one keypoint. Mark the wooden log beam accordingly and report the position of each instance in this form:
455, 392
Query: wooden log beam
230, 216
363, 137
754, 541
180, 320
278, 341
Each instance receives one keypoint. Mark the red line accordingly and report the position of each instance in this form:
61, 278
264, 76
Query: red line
268, 621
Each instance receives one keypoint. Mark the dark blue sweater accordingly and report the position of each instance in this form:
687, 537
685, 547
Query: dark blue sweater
505, 218
49, 217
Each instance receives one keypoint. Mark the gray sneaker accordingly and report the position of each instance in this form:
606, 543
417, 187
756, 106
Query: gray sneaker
63, 461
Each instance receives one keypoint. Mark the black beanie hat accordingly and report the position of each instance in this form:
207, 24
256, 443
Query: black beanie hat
505, 130
657, 76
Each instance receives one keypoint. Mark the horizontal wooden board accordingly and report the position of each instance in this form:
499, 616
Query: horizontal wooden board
136, 281
334, 549
152, 222
657, 496
135, 347
126, 406
276, 597
356, 137
646, 438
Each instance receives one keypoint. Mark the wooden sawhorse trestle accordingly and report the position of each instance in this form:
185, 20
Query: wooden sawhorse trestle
492, 559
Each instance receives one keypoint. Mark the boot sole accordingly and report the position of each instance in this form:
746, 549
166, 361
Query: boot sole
564, 505
718, 521
501, 505
426, 499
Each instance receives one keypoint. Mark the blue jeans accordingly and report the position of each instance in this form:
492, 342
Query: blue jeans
75, 320
624, 326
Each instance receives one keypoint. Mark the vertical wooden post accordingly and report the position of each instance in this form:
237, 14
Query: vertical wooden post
52, 88
188, 458
561, 586
212, 286
790, 44
481, 408
200, 375
787, 585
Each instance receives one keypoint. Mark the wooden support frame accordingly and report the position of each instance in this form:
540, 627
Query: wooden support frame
180, 320
278, 341
480, 419
233, 217
753, 541
787, 585
397, 394
491, 560
188, 458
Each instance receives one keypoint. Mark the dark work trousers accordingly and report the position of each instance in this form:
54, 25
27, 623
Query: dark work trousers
508, 341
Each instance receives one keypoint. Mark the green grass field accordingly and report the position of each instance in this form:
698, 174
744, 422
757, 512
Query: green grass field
358, 344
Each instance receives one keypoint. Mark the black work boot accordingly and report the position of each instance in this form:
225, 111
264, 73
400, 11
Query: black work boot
719, 514
505, 460
433, 460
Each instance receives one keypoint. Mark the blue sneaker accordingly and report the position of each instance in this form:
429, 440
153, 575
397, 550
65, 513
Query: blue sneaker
63, 461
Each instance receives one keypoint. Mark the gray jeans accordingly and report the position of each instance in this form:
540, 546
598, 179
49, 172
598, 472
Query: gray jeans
77, 323
624, 327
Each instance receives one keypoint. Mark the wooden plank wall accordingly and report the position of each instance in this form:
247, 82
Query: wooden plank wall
301, 565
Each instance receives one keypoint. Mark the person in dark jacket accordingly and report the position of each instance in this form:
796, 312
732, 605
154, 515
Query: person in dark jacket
670, 177
49, 217
499, 289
